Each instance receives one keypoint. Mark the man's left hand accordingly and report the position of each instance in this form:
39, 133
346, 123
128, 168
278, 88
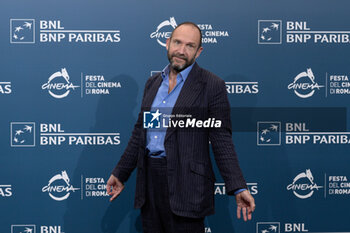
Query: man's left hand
246, 204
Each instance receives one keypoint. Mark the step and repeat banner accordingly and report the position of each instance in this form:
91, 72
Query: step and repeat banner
72, 75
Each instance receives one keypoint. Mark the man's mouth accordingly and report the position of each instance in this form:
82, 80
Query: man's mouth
182, 58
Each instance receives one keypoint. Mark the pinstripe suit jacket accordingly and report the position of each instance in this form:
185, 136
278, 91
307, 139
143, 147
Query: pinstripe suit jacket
190, 173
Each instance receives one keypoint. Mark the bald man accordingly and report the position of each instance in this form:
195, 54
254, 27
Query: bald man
175, 178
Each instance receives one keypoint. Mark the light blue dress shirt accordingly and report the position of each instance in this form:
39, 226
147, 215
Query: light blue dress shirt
165, 102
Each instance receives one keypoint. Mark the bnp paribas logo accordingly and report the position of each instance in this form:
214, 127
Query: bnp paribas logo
22, 31
269, 32
268, 133
22, 134
268, 227
30, 228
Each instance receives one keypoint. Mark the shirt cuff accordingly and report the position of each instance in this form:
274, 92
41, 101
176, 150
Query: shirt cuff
239, 191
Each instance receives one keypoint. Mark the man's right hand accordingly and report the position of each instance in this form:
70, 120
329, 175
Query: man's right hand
114, 187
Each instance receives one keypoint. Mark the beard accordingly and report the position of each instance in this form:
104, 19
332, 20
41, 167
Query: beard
179, 67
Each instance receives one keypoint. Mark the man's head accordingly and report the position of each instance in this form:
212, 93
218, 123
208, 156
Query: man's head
184, 46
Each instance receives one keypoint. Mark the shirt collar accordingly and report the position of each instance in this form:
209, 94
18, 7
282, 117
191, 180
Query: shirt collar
183, 74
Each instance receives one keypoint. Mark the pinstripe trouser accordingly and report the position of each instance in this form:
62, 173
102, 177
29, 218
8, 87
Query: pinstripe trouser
157, 216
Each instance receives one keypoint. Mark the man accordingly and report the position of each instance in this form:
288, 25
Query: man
175, 180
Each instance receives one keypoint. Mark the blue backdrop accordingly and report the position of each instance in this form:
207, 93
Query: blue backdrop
71, 80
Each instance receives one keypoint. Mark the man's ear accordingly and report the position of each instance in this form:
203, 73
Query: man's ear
199, 51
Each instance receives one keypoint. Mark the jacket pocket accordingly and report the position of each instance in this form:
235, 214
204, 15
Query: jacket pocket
201, 169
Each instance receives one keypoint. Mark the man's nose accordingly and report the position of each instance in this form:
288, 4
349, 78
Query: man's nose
182, 49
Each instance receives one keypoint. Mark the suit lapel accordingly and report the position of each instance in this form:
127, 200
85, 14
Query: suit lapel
152, 92
189, 92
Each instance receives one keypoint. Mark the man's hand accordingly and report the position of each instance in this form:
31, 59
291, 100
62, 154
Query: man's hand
245, 202
117, 187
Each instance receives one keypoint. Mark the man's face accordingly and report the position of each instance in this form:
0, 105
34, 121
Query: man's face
183, 47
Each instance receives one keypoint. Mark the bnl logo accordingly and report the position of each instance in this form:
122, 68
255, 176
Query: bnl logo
23, 229
269, 133
22, 31
151, 119
22, 134
269, 32
268, 227
32, 229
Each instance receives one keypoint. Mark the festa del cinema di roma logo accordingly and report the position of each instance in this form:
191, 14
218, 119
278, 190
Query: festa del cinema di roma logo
58, 84
303, 185
304, 84
59, 187
210, 34
164, 31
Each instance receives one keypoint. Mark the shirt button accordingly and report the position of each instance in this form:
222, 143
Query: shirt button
164, 102
155, 137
